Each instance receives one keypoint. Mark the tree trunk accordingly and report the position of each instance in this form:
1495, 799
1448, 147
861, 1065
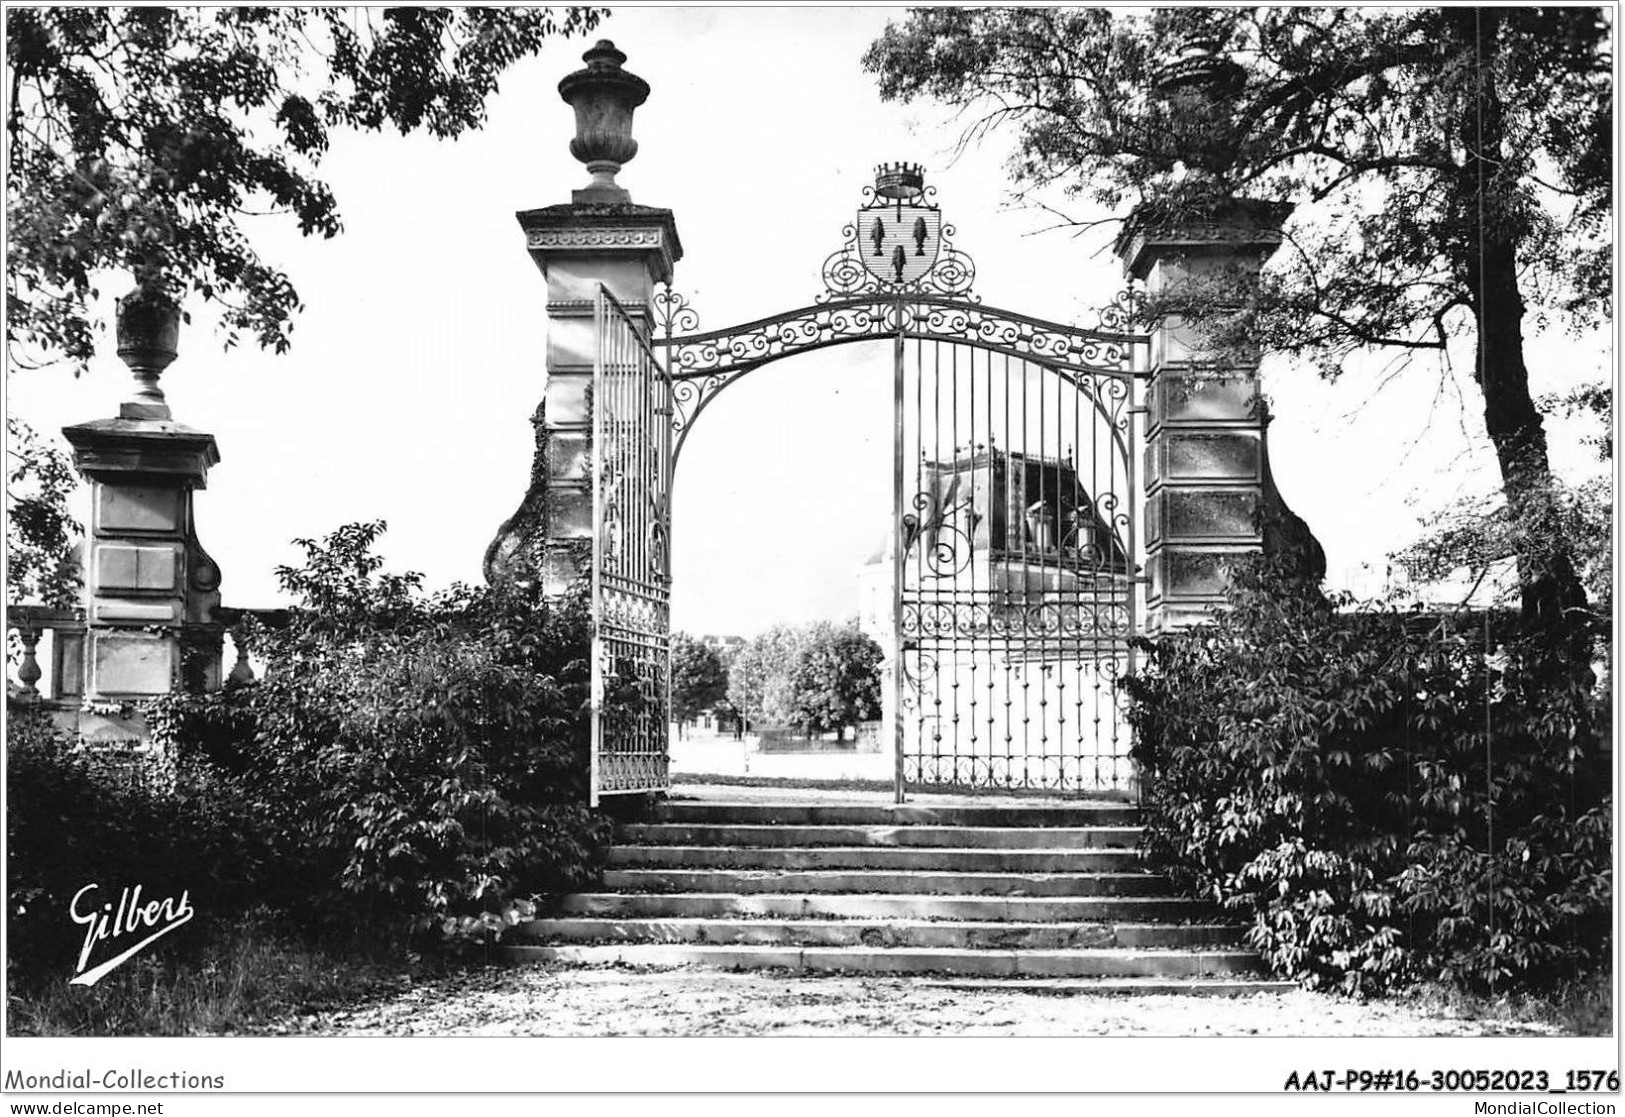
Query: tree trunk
1549, 586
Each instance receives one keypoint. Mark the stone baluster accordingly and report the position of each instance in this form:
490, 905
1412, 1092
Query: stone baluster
28, 671
242, 672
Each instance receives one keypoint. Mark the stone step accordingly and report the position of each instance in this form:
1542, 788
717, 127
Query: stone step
782, 905
858, 880
836, 814
900, 933
1114, 986
867, 959
876, 857
918, 836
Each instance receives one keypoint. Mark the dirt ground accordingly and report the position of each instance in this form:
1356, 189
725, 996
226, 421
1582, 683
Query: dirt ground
615, 1001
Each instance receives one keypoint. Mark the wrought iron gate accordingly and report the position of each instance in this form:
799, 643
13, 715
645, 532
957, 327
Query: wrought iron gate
1013, 568
1014, 579
631, 561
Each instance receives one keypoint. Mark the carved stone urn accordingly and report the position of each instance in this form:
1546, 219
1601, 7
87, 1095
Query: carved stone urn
148, 331
603, 96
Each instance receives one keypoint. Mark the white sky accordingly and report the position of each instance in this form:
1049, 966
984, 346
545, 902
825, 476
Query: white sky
419, 357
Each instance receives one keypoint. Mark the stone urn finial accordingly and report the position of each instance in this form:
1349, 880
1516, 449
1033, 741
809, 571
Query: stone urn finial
149, 327
1198, 66
603, 96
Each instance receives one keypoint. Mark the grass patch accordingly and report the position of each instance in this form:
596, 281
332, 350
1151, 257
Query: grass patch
241, 978
1582, 1006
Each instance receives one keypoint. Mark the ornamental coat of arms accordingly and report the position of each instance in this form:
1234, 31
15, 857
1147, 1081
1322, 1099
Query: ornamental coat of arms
898, 236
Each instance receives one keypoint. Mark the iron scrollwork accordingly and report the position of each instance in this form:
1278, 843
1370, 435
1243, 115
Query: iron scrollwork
897, 273
947, 529
1103, 618
701, 365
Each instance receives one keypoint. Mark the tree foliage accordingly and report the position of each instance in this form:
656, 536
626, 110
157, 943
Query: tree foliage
40, 528
141, 140
1449, 167
699, 681
1477, 535
836, 679
820, 676
759, 677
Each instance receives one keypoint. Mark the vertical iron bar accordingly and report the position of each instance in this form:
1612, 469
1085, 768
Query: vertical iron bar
994, 546
970, 533
1131, 544
936, 581
1026, 590
1116, 662
664, 417
1013, 524
597, 667
1043, 578
897, 550
1084, 562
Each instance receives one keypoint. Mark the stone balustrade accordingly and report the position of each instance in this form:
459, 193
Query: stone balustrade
63, 632
50, 667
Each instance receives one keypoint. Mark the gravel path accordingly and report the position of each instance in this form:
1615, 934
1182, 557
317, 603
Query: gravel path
617, 1001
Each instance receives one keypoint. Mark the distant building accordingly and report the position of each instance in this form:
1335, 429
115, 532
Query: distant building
1008, 539
1017, 594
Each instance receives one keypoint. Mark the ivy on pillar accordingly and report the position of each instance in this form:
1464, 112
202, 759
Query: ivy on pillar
599, 238
151, 590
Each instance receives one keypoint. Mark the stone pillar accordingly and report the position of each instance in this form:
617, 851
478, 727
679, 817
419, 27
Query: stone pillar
600, 238
151, 591
1205, 466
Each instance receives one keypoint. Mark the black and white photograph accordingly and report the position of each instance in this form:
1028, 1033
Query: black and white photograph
1073, 542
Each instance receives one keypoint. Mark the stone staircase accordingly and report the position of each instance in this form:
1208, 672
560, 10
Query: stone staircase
1051, 897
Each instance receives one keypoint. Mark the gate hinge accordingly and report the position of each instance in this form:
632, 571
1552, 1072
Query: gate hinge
1141, 410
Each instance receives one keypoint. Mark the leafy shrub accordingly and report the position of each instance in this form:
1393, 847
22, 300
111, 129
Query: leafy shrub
415, 762
1385, 796
72, 821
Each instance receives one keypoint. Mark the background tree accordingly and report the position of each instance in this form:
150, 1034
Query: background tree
40, 527
699, 682
759, 676
1449, 165
1477, 536
140, 138
836, 678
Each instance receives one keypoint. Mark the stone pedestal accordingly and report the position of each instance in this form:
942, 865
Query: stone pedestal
627, 249
150, 588
1206, 471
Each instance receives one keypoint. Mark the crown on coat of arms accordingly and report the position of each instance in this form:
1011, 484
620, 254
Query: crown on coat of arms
899, 182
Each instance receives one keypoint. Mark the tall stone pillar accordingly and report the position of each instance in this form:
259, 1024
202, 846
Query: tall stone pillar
150, 589
1205, 470
601, 238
